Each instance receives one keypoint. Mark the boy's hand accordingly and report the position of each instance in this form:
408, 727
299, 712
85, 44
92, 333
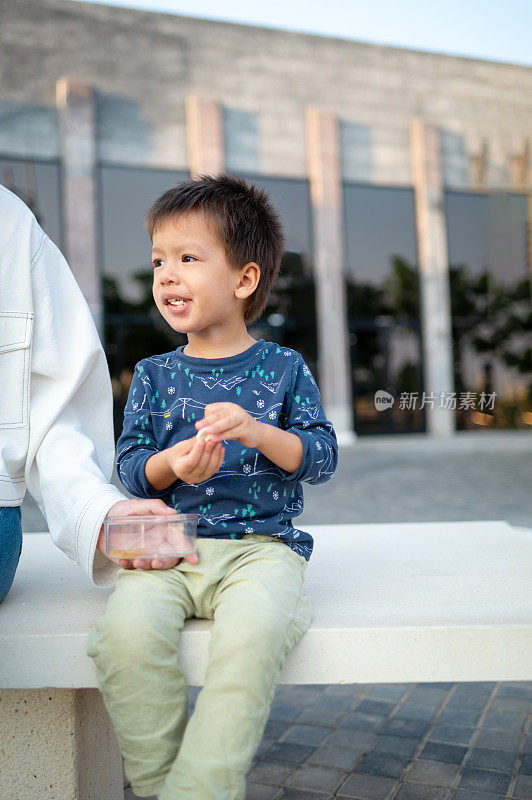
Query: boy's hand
229, 421
128, 508
195, 460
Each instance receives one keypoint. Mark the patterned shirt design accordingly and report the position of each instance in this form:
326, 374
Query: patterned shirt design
249, 493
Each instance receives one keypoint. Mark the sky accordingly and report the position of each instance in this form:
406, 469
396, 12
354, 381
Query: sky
497, 30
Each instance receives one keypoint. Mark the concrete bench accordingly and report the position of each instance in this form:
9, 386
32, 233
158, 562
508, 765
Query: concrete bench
394, 603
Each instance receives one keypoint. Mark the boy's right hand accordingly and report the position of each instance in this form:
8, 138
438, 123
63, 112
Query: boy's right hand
195, 460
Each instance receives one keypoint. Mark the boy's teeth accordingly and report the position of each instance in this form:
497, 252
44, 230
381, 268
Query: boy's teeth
177, 302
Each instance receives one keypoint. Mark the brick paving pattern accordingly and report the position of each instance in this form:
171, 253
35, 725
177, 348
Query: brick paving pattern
465, 741
430, 741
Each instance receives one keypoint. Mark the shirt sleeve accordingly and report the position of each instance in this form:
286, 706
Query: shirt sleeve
137, 442
304, 416
71, 445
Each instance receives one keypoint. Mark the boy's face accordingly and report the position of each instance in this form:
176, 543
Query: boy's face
189, 264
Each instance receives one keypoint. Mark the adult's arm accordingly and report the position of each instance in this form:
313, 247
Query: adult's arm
71, 447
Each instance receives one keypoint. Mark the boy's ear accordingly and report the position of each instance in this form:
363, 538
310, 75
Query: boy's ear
249, 280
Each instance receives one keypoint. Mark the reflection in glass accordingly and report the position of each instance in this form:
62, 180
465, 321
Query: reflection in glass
490, 302
382, 285
290, 316
37, 183
134, 329
125, 196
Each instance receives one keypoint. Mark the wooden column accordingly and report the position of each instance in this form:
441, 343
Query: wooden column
434, 273
323, 164
76, 107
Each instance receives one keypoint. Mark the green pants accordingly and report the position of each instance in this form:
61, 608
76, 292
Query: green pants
253, 590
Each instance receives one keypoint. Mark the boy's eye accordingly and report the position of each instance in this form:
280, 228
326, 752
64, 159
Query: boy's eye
157, 262
186, 257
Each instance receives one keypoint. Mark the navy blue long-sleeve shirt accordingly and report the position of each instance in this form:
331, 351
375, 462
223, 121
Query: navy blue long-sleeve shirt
249, 493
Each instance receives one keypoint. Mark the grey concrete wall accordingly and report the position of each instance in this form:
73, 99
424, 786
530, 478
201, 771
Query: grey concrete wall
151, 62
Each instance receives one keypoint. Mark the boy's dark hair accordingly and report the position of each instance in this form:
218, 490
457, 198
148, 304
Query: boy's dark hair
245, 221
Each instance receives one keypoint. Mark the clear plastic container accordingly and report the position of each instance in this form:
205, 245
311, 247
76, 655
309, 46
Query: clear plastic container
152, 536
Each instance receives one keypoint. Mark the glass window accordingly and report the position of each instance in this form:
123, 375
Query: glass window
125, 136
455, 159
241, 140
489, 249
356, 151
291, 198
290, 316
382, 286
28, 131
125, 196
133, 327
38, 183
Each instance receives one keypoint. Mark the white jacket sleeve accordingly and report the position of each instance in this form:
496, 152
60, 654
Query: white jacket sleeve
71, 446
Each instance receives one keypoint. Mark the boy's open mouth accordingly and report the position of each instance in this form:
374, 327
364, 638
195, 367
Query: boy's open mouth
176, 303
175, 300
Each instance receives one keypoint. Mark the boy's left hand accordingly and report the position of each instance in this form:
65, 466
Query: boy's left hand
229, 421
126, 508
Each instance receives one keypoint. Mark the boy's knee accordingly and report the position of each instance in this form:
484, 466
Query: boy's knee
258, 630
129, 622
276, 627
113, 636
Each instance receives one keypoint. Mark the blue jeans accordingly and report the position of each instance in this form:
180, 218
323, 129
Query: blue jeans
10, 546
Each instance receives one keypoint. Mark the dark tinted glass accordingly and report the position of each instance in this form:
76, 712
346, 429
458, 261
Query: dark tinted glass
489, 251
134, 329
125, 196
382, 286
290, 316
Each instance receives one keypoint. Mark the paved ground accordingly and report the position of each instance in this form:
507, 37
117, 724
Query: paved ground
405, 741
468, 741
475, 475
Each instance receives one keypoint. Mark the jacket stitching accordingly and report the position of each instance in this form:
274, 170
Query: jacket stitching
38, 252
25, 394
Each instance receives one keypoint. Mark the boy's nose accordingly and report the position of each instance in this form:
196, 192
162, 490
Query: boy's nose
169, 274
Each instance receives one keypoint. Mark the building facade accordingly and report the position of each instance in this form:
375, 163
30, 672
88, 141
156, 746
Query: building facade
404, 180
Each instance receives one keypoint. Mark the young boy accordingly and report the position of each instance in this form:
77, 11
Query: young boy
217, 246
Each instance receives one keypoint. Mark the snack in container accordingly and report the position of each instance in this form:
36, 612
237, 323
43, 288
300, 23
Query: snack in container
150, 536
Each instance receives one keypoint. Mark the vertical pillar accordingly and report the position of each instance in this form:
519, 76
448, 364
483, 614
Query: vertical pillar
204, 135
520, 167
434, 273
479, 167
323, 166
75, 102
529, 235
